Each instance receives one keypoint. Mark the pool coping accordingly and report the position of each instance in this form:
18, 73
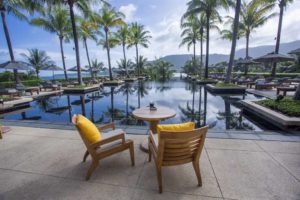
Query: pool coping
138, 130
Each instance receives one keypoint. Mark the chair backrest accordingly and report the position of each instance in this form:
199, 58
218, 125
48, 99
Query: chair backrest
176, 148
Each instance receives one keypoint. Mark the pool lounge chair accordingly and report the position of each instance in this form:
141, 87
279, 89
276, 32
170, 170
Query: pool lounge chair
263, 84
99, 147
48, 85
170, 148
9, 92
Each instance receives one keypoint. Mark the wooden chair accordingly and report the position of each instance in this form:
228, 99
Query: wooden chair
105, 147
0, 132
176, 148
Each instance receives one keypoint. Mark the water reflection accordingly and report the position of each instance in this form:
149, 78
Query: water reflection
191, 102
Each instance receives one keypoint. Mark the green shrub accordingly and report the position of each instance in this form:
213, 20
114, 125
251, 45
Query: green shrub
286, 106
12, 84
222, 84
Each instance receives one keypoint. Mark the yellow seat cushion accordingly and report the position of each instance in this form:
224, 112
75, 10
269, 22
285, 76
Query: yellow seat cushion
88, 129
189, 126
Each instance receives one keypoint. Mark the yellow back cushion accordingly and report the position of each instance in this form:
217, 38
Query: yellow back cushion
189, 126
88, 130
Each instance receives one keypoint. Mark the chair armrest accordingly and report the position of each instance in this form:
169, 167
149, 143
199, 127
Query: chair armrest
107, 126
120, 136
151, 136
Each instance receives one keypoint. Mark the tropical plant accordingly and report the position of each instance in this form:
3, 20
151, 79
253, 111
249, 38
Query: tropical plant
253, 15
109, 18
282, 5
142, 65
96, 66
163, 69
210, 9
190, 34
189, 68
234, 38
138, 36
122, 35
87, 29
17, 8
56, 21
227, 34
126, 65
38, 59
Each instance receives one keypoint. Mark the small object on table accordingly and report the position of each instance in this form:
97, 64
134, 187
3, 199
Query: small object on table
153, 117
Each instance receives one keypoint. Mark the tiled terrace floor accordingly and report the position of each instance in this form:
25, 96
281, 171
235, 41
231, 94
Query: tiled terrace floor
40, 163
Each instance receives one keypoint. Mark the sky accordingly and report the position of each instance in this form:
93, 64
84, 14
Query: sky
161, 18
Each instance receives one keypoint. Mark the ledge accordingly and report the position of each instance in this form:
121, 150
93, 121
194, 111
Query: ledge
226, 90
9, 106
113, 83
204, 82
276, 118
130, 79
81, 90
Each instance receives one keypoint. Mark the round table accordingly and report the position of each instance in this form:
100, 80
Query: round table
153, 117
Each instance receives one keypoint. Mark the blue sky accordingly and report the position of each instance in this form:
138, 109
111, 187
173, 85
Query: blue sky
161, 18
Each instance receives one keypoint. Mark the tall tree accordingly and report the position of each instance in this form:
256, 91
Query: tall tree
16, 8
57, 21
123, 36
109, 18
138, 36
210, 9
282, 5
234, 38
38, 59
96, 66
190, 34
253, 15
87, 29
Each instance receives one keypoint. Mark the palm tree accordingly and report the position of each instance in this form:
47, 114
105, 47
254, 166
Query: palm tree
163, 70
190, 34
201, 27
138, 36
87, 29
210, 9
253, 15
37, 59
142, 64
123, 35
16, 8
57, 21
234, 38
227, 34
282, 4
109, 18
96, 66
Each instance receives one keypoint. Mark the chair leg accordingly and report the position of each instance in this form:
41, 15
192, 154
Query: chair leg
91, 169
159, 178
85, 155
197, 171
131, 150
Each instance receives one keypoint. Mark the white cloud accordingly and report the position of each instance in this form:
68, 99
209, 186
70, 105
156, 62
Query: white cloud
129, 11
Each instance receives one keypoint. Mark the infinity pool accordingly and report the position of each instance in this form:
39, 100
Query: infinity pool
117, 104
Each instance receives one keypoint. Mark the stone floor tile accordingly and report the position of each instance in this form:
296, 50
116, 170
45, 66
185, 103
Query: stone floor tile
232, 144
280, 147
252, 175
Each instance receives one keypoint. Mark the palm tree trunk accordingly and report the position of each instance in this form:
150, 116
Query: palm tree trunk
201, 54
247, 51
125, 61
234, 37
63, 57
112, 103
71, 4
281, 6
108, 54
207, 45
227, 113
137, 59
11, 53
88, 57
194, 44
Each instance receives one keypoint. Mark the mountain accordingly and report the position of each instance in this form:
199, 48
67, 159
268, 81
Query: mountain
179, 60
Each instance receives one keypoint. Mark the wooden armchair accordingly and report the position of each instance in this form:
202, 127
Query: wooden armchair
105, 147
176, 148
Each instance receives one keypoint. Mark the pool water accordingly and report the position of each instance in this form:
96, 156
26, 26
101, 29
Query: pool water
191, 102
